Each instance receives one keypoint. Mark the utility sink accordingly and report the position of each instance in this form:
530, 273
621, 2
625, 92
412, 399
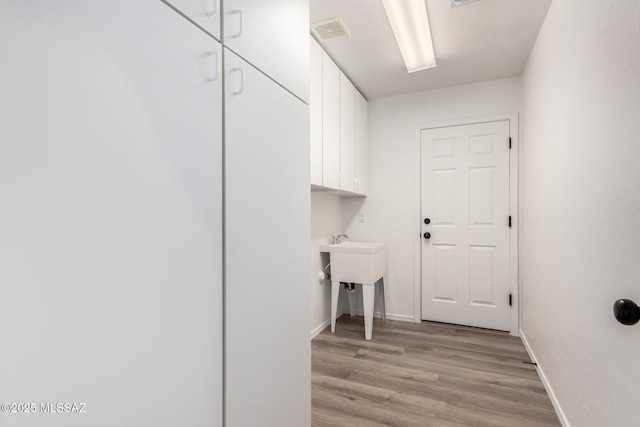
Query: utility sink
357, 262
361, 263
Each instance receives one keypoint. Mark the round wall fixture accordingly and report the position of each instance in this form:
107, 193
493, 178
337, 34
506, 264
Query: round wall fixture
626, 312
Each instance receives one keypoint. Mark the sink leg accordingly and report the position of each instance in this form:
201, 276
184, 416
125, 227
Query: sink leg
335, 292
383, 312
352, 302
368, 301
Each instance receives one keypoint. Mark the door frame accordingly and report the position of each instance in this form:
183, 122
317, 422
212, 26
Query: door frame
514, 205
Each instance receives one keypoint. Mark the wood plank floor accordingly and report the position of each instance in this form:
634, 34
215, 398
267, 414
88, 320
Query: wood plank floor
427, 374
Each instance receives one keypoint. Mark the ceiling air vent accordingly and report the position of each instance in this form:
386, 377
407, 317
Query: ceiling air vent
330, 29
457, 3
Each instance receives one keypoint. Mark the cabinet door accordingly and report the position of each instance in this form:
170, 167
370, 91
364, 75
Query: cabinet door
205, 13
272, 36
347, 134
110, 214
330, 123
316, 112
267, 251
362, 144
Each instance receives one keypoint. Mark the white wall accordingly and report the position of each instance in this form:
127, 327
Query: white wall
326, 221
389, 209
581, 207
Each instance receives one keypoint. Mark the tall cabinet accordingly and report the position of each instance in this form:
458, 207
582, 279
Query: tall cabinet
267, 213
150, 266
110, 215
268, 371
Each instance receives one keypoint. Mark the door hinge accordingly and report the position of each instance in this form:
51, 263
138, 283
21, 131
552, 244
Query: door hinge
509, 143
510, 300
509, 221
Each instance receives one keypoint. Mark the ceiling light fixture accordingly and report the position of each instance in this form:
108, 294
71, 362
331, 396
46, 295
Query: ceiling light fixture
410, 25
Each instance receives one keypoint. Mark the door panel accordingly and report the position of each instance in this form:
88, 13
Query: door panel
362, 144
267, 243
206, 13
444, 197
465, 194
443, 148
445, 272
273, 37
481, 273
110, 214
330, 123
347, 134
315, 108
482, 197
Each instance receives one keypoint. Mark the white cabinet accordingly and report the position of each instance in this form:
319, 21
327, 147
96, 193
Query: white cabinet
272, 36
267, 227
347, 134
316, 112
362, 144
205, 13
267, 213
330, 123
110, 214
339, 128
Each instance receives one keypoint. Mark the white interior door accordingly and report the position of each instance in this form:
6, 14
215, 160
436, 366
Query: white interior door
465, 209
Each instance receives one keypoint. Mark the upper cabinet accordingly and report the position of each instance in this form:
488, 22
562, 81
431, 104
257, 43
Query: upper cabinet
267, 35
362, 144
316, 113
339, 128
205, 13
347, 134
330, 123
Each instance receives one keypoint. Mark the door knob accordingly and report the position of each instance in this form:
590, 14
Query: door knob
626, 312
427, 221
427, 235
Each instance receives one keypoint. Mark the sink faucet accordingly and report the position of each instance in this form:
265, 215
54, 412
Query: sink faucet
339, 238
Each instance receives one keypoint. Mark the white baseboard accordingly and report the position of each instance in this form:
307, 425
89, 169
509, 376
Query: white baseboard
396, 317
316, 331
390, 316
401, 318
545, 383
320, 328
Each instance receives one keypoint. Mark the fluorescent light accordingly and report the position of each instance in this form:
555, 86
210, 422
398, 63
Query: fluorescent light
410, 25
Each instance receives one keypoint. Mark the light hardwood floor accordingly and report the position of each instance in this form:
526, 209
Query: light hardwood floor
427, 374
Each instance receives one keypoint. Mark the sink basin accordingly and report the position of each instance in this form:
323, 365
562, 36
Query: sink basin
357, 262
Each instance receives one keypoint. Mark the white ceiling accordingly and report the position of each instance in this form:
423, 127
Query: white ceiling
480, 41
